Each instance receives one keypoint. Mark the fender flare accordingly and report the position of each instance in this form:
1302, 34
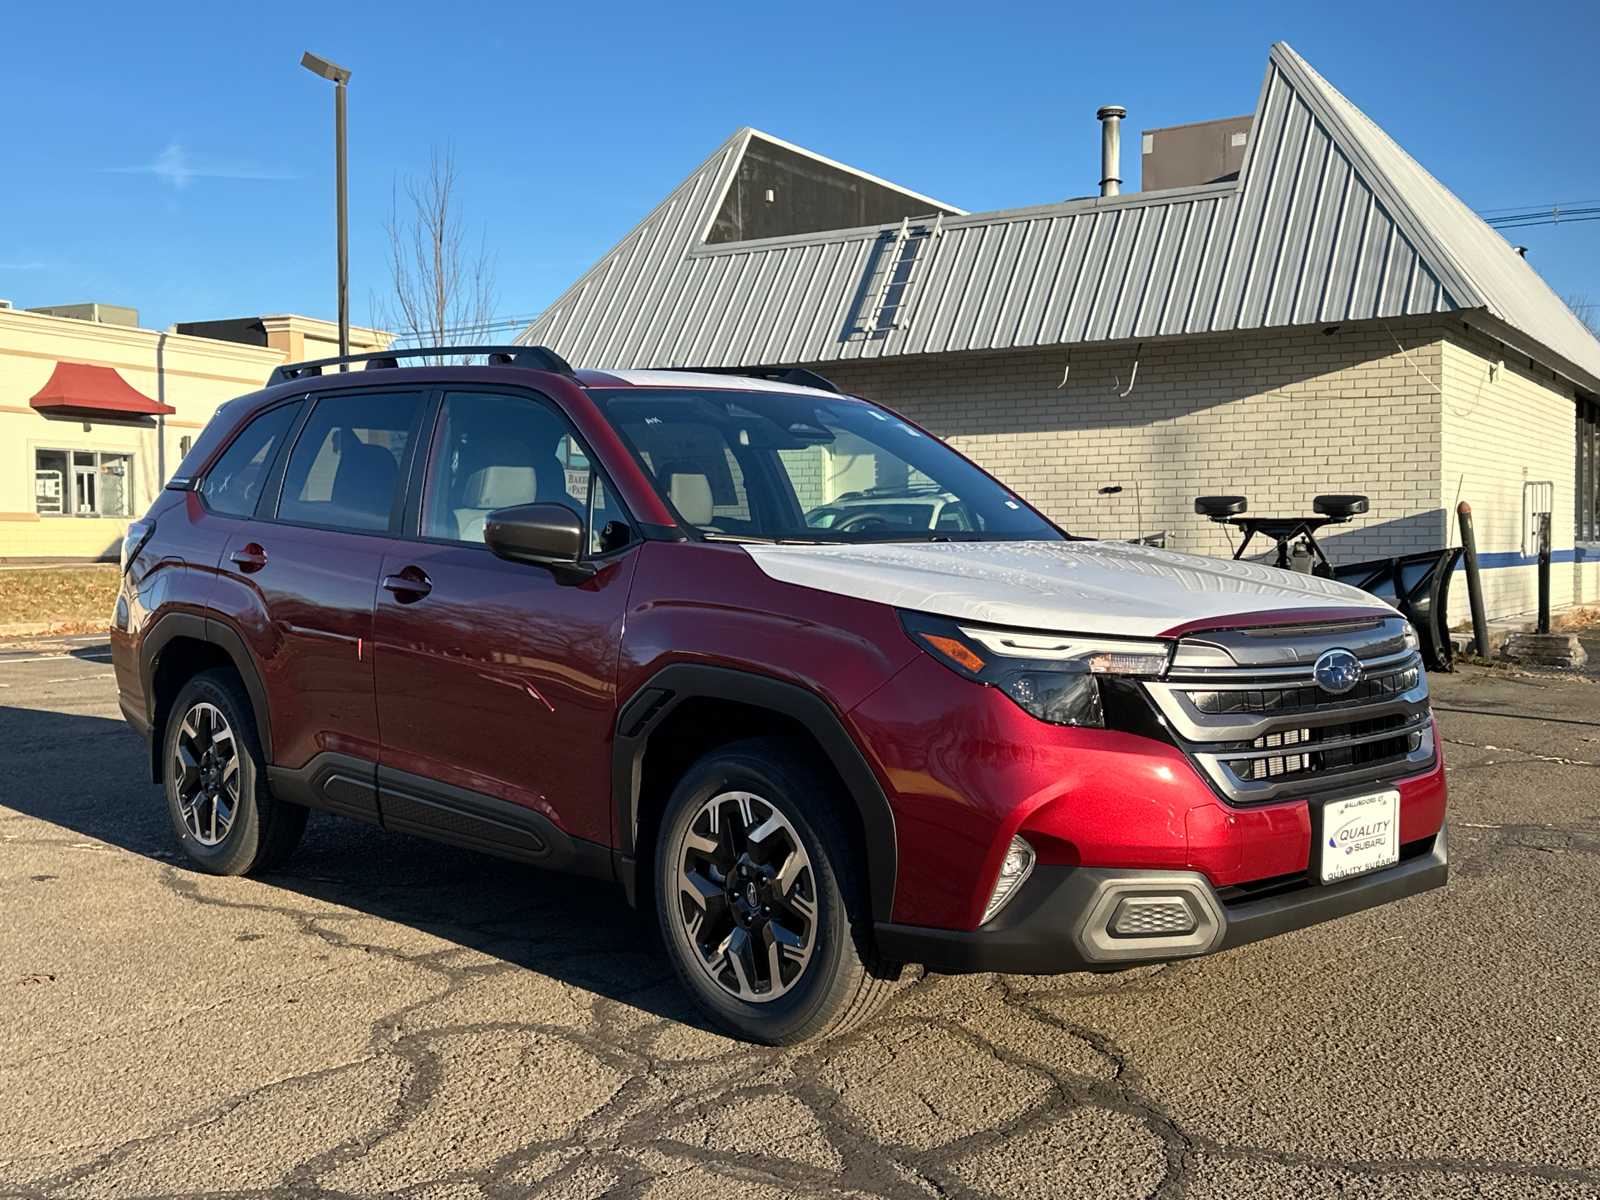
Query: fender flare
652, 701
216, 633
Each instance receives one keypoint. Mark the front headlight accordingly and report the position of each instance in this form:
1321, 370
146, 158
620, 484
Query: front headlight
1413, 642
1054, 677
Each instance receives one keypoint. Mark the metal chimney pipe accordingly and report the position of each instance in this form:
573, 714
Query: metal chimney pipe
1111, 149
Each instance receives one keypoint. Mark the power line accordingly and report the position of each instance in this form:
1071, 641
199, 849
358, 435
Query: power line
1520, 218
450, 331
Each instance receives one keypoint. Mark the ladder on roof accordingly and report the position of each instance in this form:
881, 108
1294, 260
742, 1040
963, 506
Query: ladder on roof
901, 258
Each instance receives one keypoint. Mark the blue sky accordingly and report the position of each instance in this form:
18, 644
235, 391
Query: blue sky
177, 159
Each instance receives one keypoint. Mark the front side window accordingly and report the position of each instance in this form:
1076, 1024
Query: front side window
82, 483
496, 451
344, 470
234, 483
788, 467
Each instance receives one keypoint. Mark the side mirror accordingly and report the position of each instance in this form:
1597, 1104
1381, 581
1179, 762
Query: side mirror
543, 535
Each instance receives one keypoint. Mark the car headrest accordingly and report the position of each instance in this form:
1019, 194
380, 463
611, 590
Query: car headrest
691, 496
502, 486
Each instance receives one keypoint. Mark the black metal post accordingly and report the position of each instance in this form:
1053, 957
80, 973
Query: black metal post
1469, 549
344, 225
338, 76
1544, 572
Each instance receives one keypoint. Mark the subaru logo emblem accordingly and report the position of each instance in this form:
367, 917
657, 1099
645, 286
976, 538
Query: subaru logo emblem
1337, 671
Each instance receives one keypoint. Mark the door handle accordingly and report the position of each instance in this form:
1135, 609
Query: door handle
250, 559
410, 585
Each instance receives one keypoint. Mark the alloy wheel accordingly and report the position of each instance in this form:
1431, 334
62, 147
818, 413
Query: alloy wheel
206, 768
747, 897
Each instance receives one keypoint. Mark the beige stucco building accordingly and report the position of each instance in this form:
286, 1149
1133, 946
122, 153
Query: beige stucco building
76, 463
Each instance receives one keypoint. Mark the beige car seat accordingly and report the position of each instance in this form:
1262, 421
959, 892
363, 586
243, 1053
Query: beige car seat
489, 488
691, 496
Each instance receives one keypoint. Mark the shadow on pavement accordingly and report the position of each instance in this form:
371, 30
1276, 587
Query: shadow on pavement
90, 775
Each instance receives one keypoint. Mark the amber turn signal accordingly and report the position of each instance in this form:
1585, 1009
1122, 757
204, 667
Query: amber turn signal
956, 651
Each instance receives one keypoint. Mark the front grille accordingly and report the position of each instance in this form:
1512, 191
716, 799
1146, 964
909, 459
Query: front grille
1263, 729
1301, 699
1331, 759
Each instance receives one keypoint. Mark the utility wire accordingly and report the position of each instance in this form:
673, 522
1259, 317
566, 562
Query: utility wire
404, 339
1519, 218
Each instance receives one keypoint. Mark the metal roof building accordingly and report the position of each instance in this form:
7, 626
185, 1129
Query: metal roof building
1328, 221
770, 255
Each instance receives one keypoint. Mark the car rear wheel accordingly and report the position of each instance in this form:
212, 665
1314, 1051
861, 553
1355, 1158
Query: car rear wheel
227, 820
761, 897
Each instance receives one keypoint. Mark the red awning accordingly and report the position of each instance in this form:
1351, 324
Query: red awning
85, 393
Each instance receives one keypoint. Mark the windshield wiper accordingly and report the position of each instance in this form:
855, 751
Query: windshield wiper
735, 537
909, 537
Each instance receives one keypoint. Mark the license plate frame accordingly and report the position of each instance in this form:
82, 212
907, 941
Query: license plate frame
1357, 835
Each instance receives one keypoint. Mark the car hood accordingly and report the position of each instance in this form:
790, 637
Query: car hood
1071, 587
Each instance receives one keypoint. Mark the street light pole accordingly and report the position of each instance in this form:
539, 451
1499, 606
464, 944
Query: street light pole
339, 76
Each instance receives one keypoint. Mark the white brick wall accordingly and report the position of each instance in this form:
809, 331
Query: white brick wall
1506, 422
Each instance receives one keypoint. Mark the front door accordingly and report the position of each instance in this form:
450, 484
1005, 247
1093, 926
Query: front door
493, 679
83, 484
298, 579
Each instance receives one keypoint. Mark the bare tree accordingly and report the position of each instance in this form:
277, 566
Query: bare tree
1586, 310
444, 294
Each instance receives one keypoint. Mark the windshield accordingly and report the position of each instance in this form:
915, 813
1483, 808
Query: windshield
784, 467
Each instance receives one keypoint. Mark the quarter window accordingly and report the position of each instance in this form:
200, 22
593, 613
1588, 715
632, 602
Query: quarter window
233, 485
345, 467
82, 483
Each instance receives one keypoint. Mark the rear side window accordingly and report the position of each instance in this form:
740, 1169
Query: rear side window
344, 470
234, 484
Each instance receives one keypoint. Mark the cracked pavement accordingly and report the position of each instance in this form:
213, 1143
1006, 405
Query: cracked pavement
391, 1017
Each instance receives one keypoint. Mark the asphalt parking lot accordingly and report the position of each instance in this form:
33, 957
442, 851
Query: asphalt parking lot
391, 1017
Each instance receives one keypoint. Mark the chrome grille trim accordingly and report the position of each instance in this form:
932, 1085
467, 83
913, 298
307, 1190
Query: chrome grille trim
1308, 747
1244, 677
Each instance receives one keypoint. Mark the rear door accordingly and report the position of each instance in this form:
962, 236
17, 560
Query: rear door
497, 684
298, 583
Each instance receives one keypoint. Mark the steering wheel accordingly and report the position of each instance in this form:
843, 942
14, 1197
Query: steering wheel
871, 518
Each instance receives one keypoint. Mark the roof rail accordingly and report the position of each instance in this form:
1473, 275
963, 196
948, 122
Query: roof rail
798, 376
536, 357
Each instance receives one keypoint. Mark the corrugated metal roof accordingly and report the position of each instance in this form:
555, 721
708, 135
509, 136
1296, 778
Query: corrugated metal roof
1329, 221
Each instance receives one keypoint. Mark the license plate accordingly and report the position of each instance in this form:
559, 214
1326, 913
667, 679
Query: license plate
1360, 834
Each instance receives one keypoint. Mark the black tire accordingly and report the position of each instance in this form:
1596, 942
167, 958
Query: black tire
226, 818
784, 998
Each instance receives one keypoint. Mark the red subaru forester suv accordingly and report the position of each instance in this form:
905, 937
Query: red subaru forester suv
795, 673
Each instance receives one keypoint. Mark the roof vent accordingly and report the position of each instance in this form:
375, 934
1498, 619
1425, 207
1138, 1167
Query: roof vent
1186, 155
102, 314
1110, 118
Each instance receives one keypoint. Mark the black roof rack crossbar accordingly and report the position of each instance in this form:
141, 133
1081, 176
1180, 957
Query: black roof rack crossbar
539, 358
797, 376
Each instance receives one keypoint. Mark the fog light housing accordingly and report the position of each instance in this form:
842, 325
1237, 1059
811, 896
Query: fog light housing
1014, 868
1152, 916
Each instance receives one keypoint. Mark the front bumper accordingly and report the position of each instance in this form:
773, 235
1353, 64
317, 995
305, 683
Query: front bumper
1058, 923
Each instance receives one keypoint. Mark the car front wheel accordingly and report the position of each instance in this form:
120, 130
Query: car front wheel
226, 818
760, 895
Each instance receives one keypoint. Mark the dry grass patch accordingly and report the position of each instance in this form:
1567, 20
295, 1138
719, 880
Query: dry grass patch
78, 595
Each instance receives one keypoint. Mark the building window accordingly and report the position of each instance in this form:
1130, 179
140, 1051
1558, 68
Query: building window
1586, 473
82, 483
